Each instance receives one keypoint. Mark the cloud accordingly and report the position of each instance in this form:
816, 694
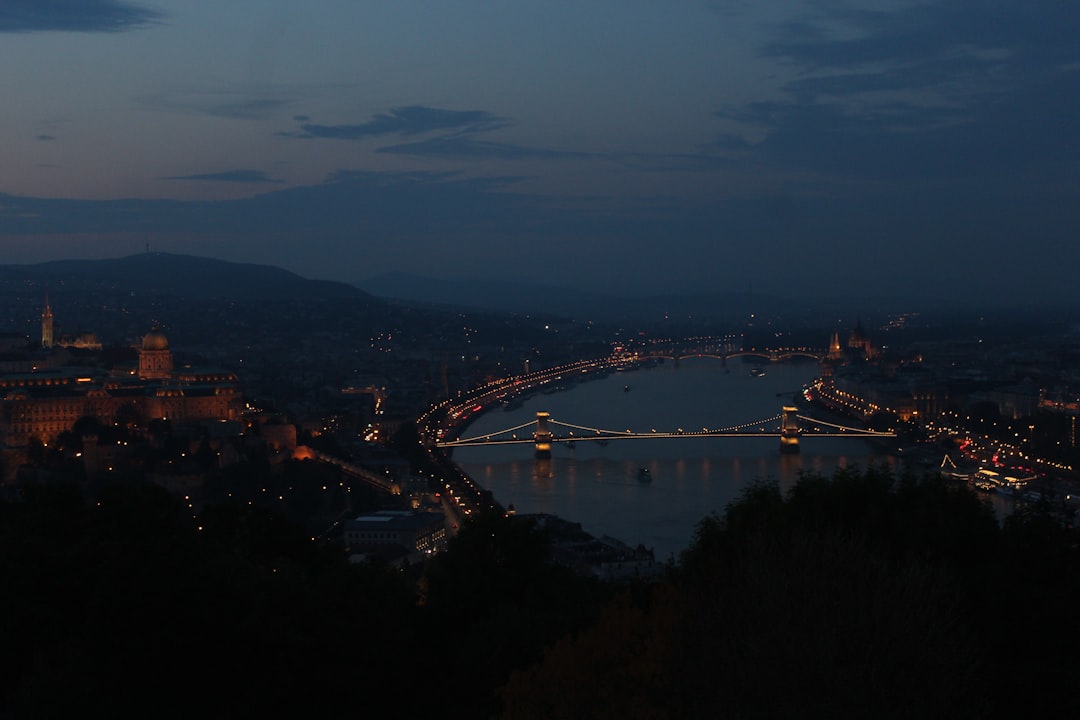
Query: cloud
450, 223
466, 147
922, 91
455, 135
913, 33
447, 179
25, 16
410, 120
232, 176
463, 146
944, 50
247, 108
382, 203
241, 104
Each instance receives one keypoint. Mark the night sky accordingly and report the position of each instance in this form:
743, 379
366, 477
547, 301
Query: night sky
627, 146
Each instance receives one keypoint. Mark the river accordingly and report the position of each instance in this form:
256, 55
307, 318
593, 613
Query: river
600, 486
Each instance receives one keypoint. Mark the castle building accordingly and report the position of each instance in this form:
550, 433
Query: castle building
80, 341
45, 402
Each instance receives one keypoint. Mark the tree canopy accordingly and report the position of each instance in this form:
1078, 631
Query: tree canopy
859, 594
856, 594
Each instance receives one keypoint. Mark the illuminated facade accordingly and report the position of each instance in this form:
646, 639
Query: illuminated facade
416, 532
43, 403
80, 341
155, 357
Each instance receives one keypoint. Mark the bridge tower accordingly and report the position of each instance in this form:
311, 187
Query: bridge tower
789, 430
542, 436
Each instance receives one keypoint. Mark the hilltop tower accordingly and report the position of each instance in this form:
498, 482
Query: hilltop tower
47, 325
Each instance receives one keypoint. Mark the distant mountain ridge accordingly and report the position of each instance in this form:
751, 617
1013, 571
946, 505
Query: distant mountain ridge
500, 295
156, 273
202, 278
582, 305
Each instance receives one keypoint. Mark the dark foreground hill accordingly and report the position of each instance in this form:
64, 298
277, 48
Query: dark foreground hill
856, 596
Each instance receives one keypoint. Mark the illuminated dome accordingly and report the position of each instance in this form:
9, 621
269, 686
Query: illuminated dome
155, 340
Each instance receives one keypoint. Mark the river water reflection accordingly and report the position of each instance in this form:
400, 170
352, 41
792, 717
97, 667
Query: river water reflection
601, 487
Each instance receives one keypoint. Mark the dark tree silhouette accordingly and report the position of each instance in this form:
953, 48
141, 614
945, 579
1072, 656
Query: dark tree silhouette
856, 595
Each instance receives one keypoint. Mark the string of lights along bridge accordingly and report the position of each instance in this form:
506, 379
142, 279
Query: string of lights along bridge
788, 426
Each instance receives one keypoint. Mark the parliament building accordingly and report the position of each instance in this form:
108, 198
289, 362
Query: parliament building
42, 399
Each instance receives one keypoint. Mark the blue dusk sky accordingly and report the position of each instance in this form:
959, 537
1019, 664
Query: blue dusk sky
823, 147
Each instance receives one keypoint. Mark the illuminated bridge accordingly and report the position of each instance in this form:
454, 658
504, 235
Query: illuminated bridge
543, 432
723, 353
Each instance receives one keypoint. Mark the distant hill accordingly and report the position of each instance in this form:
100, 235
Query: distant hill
581, 305
495, 295
184, 276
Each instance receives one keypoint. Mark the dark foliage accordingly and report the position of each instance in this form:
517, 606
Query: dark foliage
494, 602
122, 608
860, 595
856, 595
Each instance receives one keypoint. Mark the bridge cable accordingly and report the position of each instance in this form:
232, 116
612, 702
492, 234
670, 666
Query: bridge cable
861, 431
493, 434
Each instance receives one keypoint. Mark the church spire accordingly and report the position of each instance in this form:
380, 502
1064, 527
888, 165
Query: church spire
836, 351
47, 324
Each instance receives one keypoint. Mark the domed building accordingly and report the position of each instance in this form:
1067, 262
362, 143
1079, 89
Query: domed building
155, 357
155, 341
44, 401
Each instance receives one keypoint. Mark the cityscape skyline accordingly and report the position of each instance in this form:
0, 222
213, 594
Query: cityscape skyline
258, 496
630, 148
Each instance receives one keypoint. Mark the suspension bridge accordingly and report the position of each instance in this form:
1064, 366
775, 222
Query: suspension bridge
545, 431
